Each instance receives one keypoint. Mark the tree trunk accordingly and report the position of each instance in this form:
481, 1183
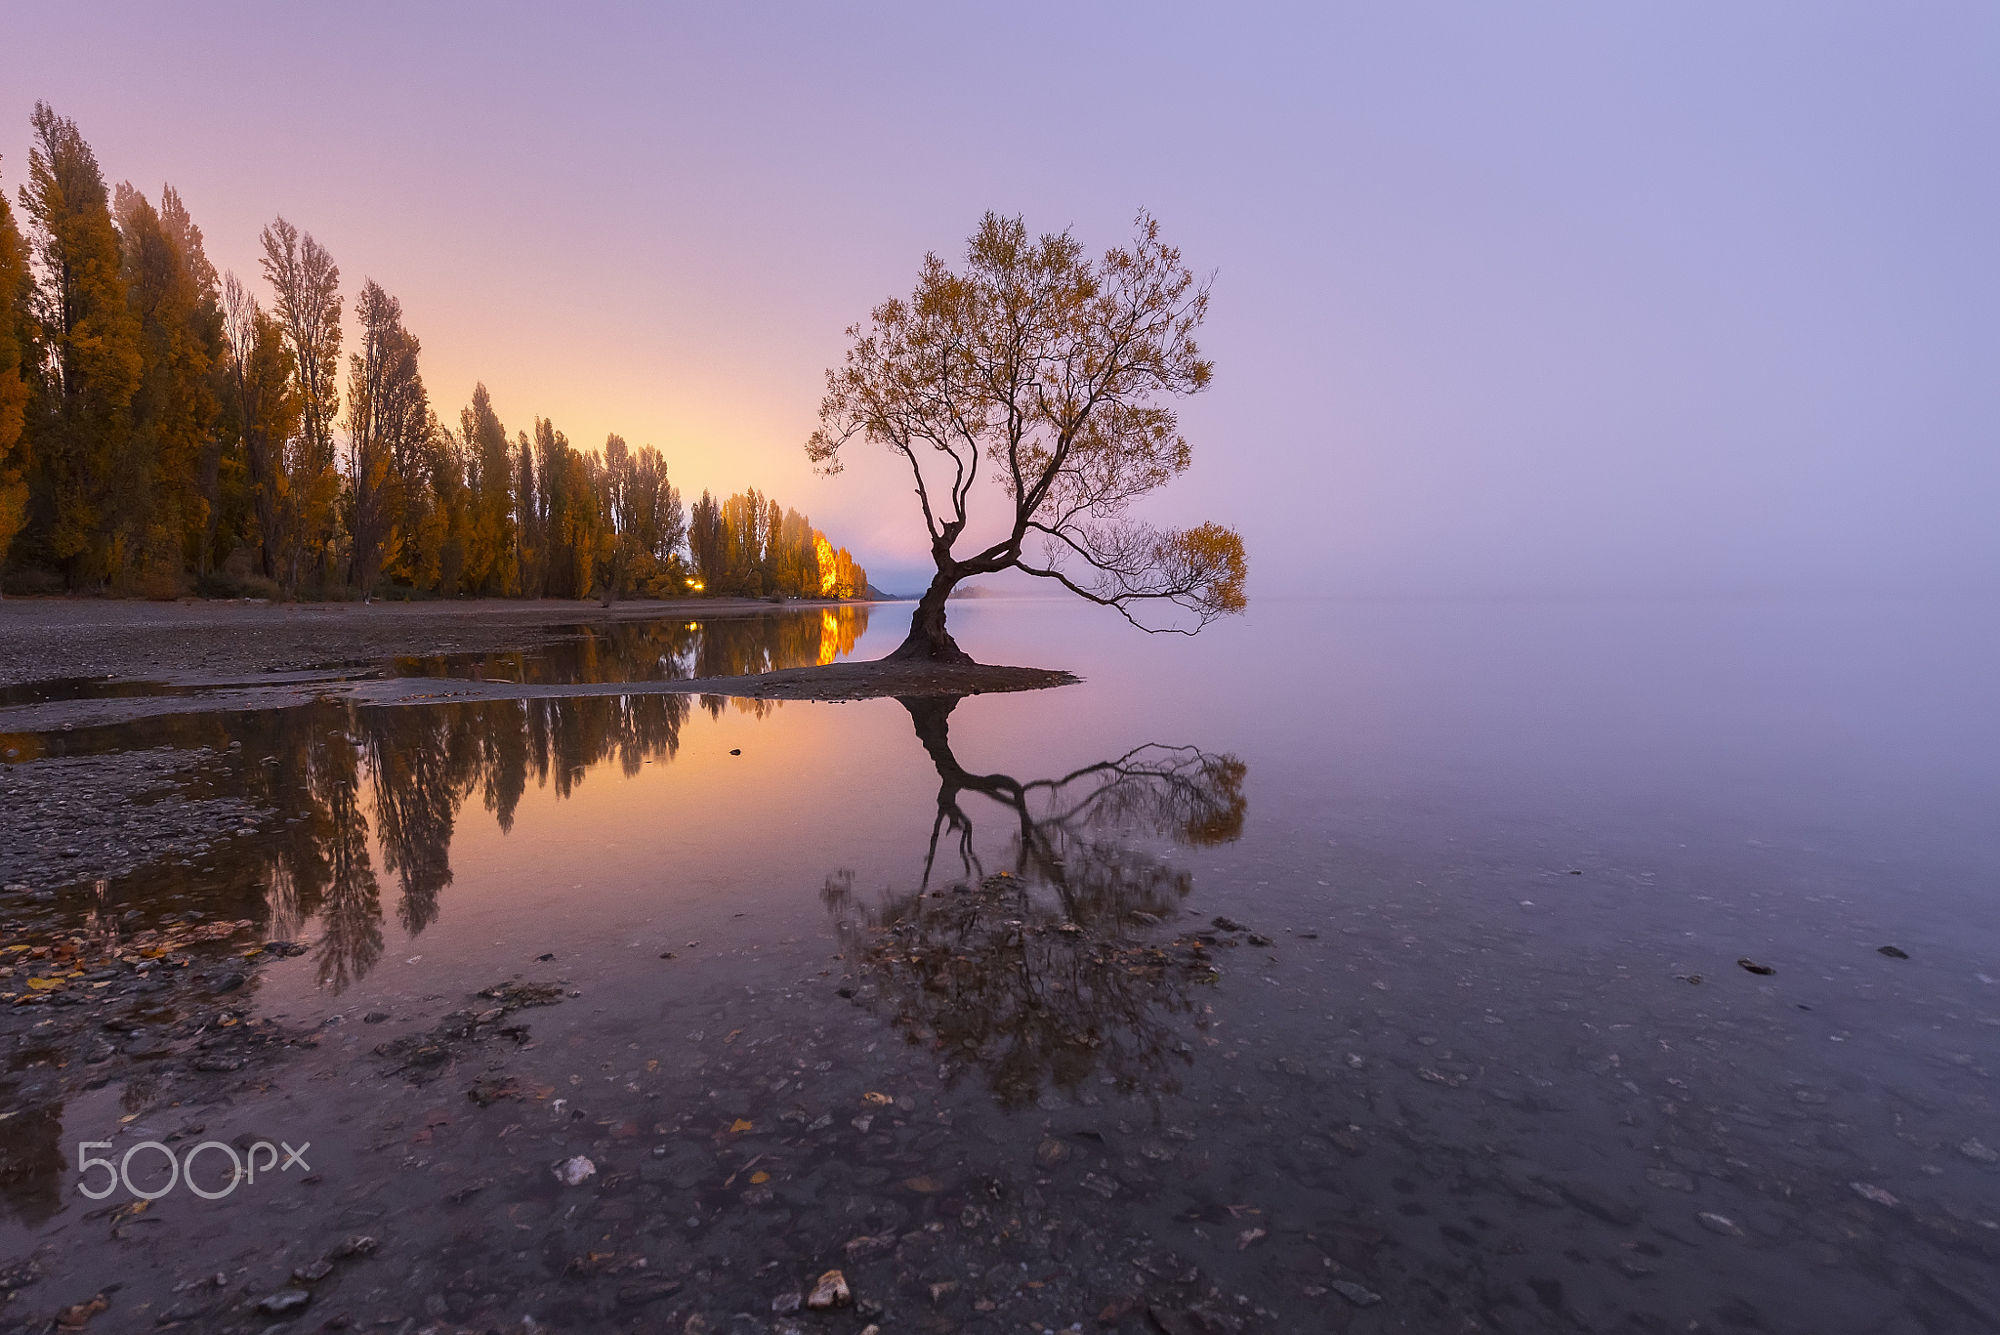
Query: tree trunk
932, 715
928, 640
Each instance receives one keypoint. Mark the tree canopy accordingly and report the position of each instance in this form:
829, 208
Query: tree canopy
1056, 373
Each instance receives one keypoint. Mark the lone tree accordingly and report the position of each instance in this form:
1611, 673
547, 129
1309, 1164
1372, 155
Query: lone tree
1057, 372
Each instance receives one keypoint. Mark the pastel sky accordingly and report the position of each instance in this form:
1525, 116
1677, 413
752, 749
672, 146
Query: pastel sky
1509, 298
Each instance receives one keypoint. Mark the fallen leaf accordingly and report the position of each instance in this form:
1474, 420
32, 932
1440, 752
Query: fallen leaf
739, 1126
74, 1317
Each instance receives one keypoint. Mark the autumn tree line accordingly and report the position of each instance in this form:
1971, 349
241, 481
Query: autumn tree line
165, 429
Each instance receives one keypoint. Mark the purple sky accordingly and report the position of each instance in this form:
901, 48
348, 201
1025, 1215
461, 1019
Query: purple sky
1635, 297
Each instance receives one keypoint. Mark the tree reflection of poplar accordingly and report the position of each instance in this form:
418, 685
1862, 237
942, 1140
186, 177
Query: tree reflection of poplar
1040, 973
417, 767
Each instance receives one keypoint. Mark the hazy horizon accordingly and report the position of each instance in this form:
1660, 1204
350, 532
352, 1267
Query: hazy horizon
1688, 299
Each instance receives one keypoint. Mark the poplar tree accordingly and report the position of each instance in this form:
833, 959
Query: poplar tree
527, 519
444, 534
90, 343
264, 411
156, 420
390, 436
159, 514
613, 477
798, 561
580, 525
490, 562
705, 541
305, 283
18, 355
220, 480
656, 522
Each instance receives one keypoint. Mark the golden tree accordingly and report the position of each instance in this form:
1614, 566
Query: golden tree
17, 359
90, 346
264, 410
160, 508
391, 434
306, 285
1057, 372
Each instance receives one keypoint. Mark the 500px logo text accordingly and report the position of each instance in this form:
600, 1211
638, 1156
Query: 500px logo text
261, 1157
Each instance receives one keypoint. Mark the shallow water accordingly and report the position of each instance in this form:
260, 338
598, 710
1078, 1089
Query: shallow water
1495, 1064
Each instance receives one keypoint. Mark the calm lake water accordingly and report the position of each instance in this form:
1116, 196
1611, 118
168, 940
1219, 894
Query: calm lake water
1367, 965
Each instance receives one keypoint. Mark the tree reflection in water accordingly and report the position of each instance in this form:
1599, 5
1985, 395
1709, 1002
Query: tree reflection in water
420, 765
667, 651
355, 789
346, 780
311, 874
414, 769
1042, 972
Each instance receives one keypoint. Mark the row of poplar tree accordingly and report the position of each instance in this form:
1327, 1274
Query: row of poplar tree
162, 430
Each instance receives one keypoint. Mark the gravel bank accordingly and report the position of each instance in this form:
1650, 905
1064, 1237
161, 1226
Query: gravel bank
199, 643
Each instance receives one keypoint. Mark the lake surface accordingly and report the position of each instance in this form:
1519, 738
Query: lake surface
1356, 965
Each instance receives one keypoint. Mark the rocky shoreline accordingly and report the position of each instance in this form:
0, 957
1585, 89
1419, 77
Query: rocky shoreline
82, 818
202, 643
